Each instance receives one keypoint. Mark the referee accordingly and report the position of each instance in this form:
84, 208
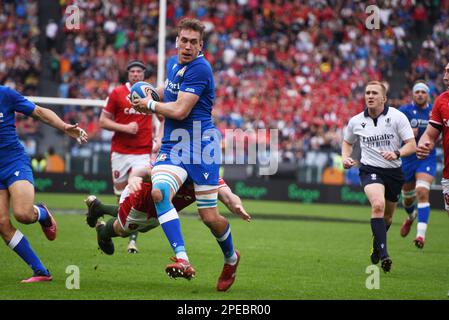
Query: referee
381, 131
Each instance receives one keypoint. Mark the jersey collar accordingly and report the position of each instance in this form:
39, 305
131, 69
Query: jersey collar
366, 114
414, 104
200, 55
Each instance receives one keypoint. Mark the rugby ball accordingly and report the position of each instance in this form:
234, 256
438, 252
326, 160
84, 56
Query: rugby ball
141, 90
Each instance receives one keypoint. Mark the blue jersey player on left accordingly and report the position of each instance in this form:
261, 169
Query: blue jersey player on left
16, 179
418, 174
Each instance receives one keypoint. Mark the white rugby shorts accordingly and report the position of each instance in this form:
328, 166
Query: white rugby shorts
122, 164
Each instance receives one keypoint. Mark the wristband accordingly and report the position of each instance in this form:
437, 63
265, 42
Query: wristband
398, 154
151, 105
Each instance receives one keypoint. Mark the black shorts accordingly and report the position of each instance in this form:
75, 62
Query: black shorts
392, 179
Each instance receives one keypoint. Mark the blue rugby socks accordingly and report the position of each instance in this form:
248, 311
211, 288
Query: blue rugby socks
42, 216
410, 210
20, 245
423, 218
172, 228
227, 246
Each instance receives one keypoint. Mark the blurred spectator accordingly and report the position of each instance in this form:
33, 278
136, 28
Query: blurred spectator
419, 18
51, 32
297, 66
333, 176
20, 63
39, 163
55, 163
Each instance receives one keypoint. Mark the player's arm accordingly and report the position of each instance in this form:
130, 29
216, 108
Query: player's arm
405, 132
157, 140
233, 202
137, 176
49, 117
346, 151
107, 122
177, 110
427, 141
408, 148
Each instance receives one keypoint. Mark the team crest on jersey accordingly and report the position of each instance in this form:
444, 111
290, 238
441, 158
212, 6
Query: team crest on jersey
181, 72
1, 116
161, 157
116, 174
388, 122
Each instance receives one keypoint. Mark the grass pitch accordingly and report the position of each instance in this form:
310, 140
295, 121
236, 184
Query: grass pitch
289, 251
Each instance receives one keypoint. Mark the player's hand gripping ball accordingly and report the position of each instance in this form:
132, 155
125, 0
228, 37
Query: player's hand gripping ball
141, 90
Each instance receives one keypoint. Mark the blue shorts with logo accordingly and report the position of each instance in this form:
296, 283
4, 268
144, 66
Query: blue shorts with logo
17, 170
412, 165
202, 163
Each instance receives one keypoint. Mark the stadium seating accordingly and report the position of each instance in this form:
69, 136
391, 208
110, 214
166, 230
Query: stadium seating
302, 55
291, 65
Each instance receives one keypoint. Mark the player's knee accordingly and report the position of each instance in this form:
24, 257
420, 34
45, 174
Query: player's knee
161, 196
211, 217
422, 190
422, 195
157, 196
378, 206
25, 217
408, 202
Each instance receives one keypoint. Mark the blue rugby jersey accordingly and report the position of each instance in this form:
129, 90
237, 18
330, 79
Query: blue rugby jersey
10, 102
418, 118
195, 77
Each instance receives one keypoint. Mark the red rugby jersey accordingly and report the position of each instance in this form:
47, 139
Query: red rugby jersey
119, 106
440, 116
143, 202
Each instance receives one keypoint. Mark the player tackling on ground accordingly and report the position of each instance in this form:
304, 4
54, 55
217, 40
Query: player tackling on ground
137, 213
438, 123
16, 179
381, 131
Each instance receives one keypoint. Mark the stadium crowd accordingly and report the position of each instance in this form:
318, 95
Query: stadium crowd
434, 53
21, 60
299, 66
